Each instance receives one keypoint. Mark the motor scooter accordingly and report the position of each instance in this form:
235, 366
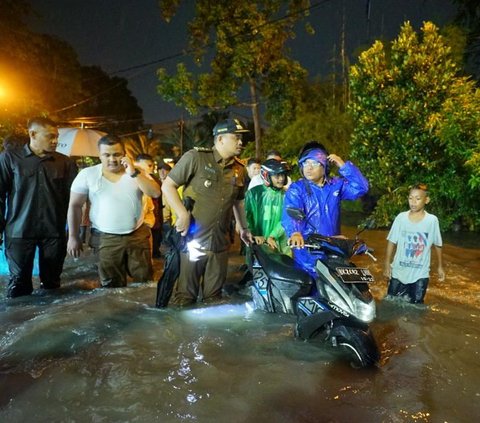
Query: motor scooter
335, 307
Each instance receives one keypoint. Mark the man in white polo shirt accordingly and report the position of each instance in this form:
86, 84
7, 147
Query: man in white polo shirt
115, 189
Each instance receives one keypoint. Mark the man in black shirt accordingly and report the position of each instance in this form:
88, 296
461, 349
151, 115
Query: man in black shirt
34, 193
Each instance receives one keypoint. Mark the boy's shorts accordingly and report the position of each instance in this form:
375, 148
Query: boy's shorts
413, 292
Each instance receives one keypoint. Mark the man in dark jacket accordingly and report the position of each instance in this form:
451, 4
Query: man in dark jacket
34, 193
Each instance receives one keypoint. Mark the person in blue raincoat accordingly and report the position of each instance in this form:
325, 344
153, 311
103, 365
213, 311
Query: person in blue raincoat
319, 196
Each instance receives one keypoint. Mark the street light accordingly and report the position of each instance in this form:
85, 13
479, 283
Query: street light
4, 94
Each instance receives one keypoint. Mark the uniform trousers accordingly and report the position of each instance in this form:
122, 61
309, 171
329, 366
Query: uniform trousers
208, 271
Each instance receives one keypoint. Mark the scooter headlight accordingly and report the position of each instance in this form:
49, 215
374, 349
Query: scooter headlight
365, 311
337, 299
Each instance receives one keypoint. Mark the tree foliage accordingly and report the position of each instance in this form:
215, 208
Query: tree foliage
416, 119
110, 101
38, 72
248, 52
319, 115
141, 144
468, 18
41, 75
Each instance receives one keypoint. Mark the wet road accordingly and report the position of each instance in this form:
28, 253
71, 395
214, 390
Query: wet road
92, 355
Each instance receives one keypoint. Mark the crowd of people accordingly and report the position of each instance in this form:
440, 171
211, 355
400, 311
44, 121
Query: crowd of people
129, 203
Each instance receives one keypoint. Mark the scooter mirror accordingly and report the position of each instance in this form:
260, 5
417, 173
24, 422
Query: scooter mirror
368, 223
295, 214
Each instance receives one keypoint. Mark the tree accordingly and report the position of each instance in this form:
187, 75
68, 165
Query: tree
141, 144
41, 75
39, 72
109, 99
249, 53
416, 119
190, 134
468, 17
319, 115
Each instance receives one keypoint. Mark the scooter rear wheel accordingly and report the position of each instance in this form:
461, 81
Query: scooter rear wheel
358, 343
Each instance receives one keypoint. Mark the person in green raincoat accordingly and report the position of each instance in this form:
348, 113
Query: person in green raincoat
264, 204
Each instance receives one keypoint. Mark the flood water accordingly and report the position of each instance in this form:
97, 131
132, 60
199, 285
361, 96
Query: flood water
92, 355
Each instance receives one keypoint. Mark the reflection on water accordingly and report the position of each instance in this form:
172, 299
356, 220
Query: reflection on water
86, 354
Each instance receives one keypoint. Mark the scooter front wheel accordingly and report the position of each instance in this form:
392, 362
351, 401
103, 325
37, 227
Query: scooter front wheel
358, 343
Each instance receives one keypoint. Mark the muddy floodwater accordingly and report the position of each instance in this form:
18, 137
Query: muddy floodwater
84, 354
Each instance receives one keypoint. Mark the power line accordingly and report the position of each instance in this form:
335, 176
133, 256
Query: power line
250, 34
211, 44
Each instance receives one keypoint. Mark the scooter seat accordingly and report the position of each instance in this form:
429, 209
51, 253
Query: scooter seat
280, 266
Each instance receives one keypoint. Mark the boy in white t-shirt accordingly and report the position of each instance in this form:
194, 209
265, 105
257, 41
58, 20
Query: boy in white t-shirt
413, 233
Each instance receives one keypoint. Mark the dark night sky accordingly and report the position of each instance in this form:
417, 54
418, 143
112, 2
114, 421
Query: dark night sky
119, 34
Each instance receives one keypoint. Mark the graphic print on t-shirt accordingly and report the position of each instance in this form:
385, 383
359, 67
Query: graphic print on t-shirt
414, 245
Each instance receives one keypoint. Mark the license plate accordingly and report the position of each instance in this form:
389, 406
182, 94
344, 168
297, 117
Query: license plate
354, 274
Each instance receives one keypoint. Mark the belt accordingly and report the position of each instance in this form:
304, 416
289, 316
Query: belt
94, 231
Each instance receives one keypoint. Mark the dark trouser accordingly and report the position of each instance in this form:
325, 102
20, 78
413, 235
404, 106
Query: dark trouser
20, 254
208, 271
119, 255
156, 241
414, 292
165, 229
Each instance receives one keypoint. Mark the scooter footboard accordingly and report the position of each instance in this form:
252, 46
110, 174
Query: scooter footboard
273, 295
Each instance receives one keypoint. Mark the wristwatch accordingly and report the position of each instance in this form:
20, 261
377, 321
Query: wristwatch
135, 174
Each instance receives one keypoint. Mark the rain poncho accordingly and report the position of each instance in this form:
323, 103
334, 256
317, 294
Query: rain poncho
321, 206
263, 208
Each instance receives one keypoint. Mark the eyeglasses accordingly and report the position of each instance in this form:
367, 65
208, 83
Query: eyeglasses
311, 163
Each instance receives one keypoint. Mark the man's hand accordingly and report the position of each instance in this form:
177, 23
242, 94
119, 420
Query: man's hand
259, 239
387, 270
333, 158
272, 243
128, 165
441, 274
183, 223
74, 246
296, 240
246, 236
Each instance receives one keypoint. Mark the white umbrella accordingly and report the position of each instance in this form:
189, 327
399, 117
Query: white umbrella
80, 142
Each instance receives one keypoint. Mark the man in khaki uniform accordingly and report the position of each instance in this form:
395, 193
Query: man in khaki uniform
215, 180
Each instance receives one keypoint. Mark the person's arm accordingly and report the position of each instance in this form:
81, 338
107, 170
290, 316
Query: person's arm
441, 272
294, 198
239, 213
337, 160
355, 184
387, 269
5, 186
296, 240
145, 182
74, 217
169, 190
249, 207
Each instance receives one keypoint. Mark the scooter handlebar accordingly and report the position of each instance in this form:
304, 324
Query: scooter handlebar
369, 253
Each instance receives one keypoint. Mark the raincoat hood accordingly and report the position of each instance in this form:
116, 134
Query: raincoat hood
316, 154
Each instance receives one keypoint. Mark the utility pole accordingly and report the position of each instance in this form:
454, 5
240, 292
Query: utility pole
344, 62
256, 118
334, 72
181, 124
